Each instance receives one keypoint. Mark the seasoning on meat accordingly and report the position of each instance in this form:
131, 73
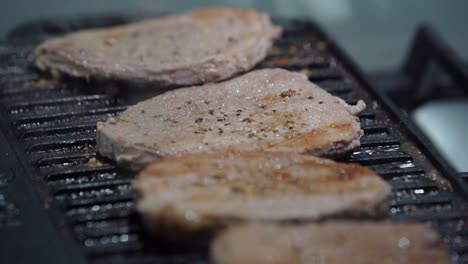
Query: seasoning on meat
287, 124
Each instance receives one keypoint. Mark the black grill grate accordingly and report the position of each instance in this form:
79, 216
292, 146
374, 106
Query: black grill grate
56, 125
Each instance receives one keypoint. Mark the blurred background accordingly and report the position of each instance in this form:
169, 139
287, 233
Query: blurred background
375, 33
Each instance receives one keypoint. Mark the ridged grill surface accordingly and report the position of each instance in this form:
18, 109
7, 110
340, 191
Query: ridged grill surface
56, 124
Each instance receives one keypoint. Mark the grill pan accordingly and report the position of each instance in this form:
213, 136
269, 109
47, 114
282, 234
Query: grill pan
57, 205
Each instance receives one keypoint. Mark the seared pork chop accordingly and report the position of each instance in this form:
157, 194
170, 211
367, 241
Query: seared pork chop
199, 46
271, 109
193, 193
330, 243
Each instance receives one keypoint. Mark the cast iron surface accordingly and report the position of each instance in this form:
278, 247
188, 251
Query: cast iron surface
61, 201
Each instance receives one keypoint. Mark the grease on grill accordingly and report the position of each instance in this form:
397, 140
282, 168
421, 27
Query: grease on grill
93, 162
293, 63
40, 83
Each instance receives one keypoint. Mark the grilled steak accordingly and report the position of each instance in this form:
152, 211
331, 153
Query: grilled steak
194, 193
203, 45
272, 109
333, 242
